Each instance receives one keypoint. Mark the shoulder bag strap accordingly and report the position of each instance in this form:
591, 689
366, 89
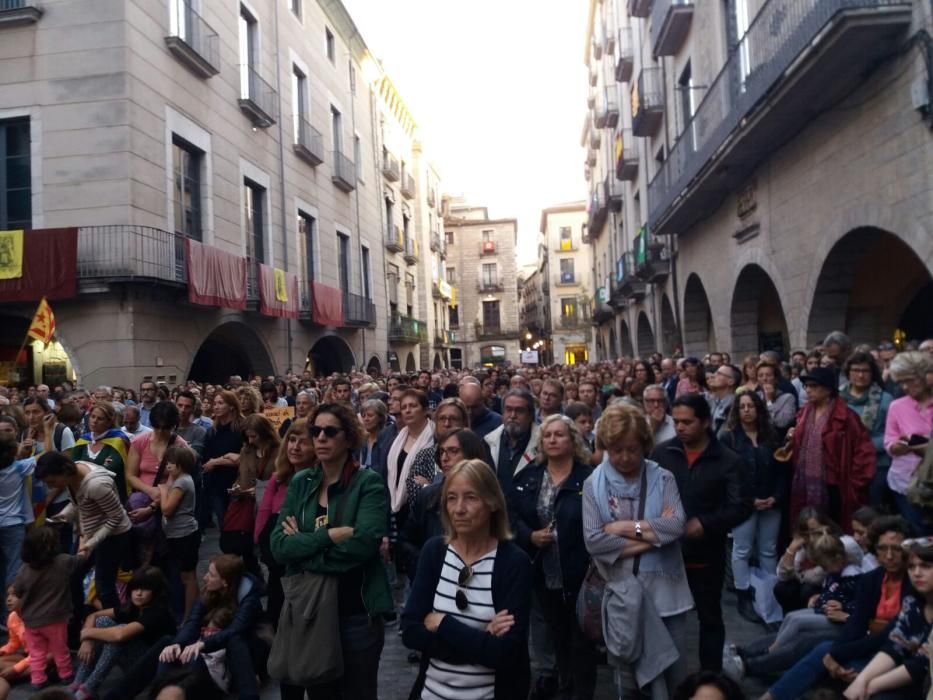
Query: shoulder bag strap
642, 495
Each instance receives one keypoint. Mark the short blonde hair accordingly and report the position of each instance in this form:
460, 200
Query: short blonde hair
910, 364
620, 420
486, 483
580, 452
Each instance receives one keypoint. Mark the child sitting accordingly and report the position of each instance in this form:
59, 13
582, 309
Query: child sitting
216, 661
14, 655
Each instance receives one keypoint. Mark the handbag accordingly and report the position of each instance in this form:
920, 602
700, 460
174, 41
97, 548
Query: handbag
589, 606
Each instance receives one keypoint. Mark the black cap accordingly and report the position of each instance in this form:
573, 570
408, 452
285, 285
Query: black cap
824, 376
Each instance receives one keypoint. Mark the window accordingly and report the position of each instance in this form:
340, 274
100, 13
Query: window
491, 315
687, 103
454, 317
566, 238
15, 175
336, 122
186, 176
249, 57
410, 292
567, 271
449, 237
451, 275
299, 100
489, 235
366, 272
490, 278
329, 45
253, 198
306, 234
392, 283
343, 261
296, 8
358, 157
390, 219
568, 309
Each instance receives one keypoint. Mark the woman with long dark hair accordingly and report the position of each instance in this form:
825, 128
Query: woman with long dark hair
221, 456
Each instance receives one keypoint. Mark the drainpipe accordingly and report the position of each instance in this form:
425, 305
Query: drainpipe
356, 196
284, 219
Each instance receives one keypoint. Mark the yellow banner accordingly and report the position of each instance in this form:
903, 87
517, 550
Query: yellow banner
11, 255
281, 289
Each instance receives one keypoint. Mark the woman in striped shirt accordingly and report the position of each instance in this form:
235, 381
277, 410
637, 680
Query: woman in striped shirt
467, 612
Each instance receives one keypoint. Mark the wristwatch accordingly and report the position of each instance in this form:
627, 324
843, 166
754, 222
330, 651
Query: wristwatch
638, 534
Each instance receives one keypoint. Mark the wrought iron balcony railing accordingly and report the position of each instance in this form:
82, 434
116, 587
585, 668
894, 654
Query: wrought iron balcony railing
191, 39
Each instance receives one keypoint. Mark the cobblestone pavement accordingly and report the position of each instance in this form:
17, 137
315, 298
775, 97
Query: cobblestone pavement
396, 674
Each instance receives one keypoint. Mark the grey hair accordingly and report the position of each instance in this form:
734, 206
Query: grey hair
580, 451
310, 394
104, 387
524, 395
119, 409
841, 339
911, 364
656, 387
377, 407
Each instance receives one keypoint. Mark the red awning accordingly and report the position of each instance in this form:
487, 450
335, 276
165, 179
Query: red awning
215, 277
50, 264
327, 305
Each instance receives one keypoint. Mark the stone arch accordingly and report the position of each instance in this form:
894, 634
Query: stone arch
628, 350
330, 354
231, 348
374, 366
699, 331
646, 341
757, 315
410, 365
871, 283
438, 364
670, 335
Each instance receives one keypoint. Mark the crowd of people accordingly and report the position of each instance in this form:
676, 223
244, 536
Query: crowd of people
519, 525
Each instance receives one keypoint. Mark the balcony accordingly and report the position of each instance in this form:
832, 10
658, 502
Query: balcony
602, 312
192, 40
408, 186
625, 61
404, 329
490, 331
670, 22
639, 8
566, 279
490, 286
432, 199
257, 98
630, 286
652, 261
591, 99
488, 248
441, 337
309, 144
435, 242
572, 322
15, 13
358, 311
597, 47
411, 250
594, 76
595, 139
565, 245
798, 58
390, 167
613, 193
626, 154
130, 253
344, 175
395, 240
598, 211
591, 156
647, 102
608, 112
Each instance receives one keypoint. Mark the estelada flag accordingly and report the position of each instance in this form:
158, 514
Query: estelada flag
43, 323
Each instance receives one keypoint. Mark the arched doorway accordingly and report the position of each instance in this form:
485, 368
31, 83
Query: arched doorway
628, 350
330, 354
757, 317
670, 336
871, 284
613, 342
699, 332
410, 363
646, 342
437, 361
374, 367
231, 348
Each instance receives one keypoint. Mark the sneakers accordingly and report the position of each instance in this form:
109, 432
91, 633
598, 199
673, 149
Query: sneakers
746, 606
732, 664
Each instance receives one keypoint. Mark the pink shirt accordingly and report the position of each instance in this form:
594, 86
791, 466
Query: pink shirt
905, 418
272, 499
148, 463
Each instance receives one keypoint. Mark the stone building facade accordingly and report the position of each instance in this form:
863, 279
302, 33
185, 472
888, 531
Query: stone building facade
774, 160
253, 128
481, 265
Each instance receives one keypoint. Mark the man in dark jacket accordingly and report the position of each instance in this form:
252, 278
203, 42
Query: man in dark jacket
482, 420
716, 497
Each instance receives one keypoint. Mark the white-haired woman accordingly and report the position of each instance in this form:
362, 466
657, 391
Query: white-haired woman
907, 430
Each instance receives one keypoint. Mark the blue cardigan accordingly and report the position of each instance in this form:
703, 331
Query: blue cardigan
245, 619
454, 642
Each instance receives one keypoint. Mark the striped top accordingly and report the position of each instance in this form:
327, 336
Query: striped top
445, 681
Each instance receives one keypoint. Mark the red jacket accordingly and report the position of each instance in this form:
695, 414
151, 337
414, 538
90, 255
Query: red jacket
848, 456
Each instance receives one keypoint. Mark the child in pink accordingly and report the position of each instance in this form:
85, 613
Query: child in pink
14, 655
43, 587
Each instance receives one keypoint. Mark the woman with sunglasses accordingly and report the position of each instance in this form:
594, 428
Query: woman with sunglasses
332, 522
467, 612
546, 505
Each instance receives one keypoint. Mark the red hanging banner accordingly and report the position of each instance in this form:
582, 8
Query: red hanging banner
278, 292
49, 266
215, 277
326, 305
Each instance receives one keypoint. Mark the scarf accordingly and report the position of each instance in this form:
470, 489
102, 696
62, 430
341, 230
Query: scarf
608, 483
870, 414
398, 495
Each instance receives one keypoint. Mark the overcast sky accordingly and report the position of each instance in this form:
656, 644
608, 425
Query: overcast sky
498, 88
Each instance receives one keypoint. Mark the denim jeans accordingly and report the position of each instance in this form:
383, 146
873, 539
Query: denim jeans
803, 675
757, 535
11, 546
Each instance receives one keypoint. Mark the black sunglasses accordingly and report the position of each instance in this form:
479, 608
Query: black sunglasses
331, 431
466, 573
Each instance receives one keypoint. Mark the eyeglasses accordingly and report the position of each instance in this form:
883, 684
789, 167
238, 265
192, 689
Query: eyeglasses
330, 431
466, 573
449, 451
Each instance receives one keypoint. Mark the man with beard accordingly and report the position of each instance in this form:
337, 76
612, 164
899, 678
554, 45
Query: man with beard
514, 444
482, 420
